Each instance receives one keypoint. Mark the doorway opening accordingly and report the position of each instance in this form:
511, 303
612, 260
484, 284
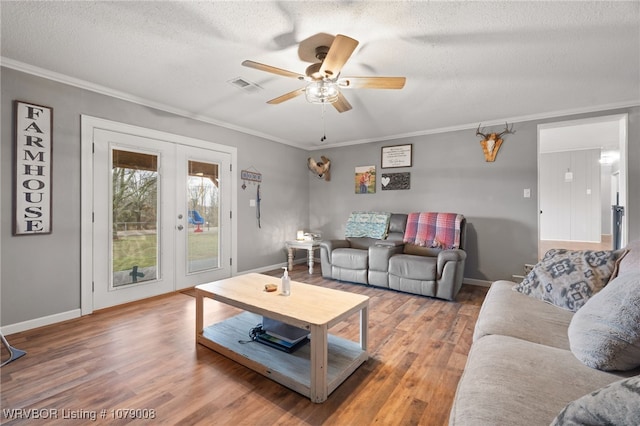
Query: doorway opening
582, 184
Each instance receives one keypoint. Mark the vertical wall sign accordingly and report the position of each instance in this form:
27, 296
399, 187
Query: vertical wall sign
33, 151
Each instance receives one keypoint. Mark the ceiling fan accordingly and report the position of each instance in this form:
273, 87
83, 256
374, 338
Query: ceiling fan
324, 76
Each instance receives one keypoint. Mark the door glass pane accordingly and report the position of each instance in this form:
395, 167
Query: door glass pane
203, 216
135, 236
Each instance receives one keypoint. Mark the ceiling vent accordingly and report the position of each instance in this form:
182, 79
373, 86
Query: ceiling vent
245, 85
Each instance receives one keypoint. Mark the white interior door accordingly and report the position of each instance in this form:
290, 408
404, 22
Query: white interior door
161, 217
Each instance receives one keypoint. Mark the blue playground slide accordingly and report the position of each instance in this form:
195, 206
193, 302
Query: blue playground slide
195, 218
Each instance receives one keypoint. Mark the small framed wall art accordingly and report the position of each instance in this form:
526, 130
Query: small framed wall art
32, 166
395, 181
396, 156
365, 180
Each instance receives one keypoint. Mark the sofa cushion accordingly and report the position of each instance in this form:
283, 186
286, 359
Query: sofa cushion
413, 267
605, 333
421, 251
350, 258
397, 225
363, 243
615, 404
368, 224
509, 381
510, 313
631, 260
568, 278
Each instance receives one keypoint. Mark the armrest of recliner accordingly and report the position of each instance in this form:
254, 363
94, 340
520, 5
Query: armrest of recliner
451, 255
380, 254
327, 246
326, 249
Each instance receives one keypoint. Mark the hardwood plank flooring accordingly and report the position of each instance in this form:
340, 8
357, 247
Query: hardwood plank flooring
143, 356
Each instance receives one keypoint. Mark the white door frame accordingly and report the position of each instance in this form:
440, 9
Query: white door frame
88, 125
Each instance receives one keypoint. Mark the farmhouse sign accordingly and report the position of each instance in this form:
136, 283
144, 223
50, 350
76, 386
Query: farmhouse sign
32, 169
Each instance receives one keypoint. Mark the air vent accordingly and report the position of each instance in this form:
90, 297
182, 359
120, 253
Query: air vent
244, 85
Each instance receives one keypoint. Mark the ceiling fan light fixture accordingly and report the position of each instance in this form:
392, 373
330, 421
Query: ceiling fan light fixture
321, 92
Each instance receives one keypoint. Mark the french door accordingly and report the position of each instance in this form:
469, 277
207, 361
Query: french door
161, 217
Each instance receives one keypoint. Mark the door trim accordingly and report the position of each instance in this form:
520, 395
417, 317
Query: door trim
88, 125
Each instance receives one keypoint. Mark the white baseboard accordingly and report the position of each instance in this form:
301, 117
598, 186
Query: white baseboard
263, 269
40, 322
472, 281
280, 265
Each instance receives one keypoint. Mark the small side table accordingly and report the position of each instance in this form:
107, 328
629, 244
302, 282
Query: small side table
310, 246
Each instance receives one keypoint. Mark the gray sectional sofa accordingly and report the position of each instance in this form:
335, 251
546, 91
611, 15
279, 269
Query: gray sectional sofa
390, 263
526, 366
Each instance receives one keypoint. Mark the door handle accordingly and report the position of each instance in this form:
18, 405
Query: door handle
180, 227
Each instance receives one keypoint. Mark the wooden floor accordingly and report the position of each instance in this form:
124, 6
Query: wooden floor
142, 356
605, 244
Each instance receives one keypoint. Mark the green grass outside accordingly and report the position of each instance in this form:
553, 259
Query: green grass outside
140, 250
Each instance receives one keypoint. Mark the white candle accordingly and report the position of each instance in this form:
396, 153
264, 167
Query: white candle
300, 235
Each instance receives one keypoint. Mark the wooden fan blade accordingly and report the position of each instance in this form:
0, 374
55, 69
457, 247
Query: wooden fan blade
342, 105
286, 96
273, 70
373, 82
339, 52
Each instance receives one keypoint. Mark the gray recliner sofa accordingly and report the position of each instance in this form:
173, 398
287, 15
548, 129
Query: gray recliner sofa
390, 263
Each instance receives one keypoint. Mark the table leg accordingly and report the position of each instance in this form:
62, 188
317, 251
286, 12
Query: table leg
364, 328
199, 314
291, 258
318, 391
310, 256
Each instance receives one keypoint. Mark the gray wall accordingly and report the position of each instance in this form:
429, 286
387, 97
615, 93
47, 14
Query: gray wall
41, 273
449, 173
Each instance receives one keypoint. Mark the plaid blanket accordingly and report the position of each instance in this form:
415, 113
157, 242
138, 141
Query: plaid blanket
441, 230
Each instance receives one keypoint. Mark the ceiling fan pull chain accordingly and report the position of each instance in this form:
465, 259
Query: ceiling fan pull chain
324, 127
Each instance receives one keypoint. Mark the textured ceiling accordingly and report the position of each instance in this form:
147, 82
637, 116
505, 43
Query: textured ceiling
465, 62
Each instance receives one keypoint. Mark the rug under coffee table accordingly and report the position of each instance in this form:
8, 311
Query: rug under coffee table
316, 369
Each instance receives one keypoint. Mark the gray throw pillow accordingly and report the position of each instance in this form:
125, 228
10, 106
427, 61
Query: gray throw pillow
568, 278
605, 333
615, 404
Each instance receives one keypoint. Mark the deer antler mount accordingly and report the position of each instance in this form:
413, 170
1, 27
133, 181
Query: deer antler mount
491, 143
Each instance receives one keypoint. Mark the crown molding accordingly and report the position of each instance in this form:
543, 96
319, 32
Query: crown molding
515, 119
82, 84
103, 90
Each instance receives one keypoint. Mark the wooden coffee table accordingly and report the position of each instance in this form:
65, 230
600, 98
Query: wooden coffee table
316, 369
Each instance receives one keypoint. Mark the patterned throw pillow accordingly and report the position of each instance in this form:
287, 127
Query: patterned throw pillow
567, 278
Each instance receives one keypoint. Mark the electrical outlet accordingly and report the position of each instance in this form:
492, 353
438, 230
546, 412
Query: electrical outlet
252, 203
527, 193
